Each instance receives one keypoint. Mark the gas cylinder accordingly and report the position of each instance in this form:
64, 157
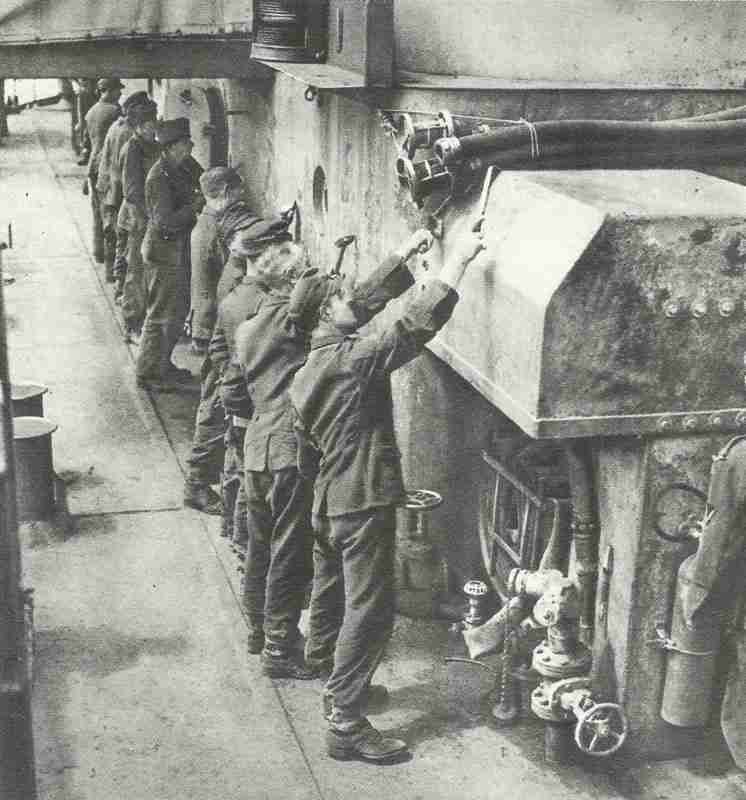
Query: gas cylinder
690, 666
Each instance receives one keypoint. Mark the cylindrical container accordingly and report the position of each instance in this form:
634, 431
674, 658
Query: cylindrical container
286, 30
34, 472
27, 399
690, 664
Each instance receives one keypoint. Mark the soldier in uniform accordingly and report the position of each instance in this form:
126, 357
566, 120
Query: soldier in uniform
342, 396
208, 448
98, 120
271, 346
109, 185
222, 189
245, 236
173, 201
138, 156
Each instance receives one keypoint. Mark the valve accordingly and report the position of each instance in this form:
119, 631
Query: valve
602, 722
475, 591
600, 728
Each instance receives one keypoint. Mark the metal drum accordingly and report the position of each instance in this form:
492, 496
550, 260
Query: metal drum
287, 30
34, 472
27, 399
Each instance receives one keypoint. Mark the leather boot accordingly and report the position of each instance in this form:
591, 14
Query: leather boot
365, 743
202, 497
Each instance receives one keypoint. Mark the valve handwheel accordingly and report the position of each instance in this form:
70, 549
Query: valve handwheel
422, 500
601, 730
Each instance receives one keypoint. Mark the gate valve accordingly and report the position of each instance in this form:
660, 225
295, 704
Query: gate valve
601, 728
475, 591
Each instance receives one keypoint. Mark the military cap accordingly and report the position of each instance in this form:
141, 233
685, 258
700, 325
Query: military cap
171, 130
385, 283
144, 113
260, 234
104, 84
215, 179
310, 293
134, 100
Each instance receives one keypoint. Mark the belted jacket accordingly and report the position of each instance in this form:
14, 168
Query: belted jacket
169, 196
274, 350
109, 184
342, 398
98, 120
137, 159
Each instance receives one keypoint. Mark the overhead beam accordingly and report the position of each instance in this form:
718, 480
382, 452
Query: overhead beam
163, 57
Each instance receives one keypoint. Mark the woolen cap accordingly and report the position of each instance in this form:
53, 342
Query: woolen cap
215, 179
135, 100
171, 130
104, 84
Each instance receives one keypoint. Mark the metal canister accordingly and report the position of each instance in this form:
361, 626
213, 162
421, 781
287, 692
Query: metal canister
691, 662
34, 471
27, 399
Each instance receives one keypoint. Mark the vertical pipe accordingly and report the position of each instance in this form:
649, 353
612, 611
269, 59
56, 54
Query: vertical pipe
585, 531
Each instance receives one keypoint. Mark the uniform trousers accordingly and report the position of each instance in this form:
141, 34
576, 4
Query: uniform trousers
167, 308
234, 495
352, 603
134, 290
120, 258
278, 560
109, 222
98, 225
207, 455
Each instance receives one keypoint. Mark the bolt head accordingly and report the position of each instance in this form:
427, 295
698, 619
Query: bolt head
475, 588
699, 309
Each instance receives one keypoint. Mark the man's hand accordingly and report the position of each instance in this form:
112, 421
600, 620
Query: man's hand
468, 248
419, 242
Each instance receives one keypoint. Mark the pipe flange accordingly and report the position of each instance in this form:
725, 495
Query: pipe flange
561, 665
448, 150
545, 708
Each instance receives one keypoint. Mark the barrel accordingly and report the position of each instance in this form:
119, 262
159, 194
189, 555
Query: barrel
27, 399
34, 472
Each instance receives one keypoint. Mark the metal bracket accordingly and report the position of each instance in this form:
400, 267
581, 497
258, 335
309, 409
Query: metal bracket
665, 642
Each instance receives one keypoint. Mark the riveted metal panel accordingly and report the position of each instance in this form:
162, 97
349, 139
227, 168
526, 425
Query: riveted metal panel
607, 303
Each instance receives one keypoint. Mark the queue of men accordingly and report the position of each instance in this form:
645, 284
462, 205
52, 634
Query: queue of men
295, 419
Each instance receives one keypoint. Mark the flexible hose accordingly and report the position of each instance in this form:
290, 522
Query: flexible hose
581, 136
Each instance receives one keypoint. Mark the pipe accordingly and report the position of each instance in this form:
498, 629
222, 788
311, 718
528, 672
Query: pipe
585, 531
536, 137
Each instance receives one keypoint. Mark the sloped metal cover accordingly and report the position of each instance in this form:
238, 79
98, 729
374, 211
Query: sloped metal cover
44, 21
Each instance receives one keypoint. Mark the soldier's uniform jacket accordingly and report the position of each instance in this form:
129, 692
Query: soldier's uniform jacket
169, 194
342, 396
242, 303
277, 350
137, 159
207, 235
109, 184
98, 120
